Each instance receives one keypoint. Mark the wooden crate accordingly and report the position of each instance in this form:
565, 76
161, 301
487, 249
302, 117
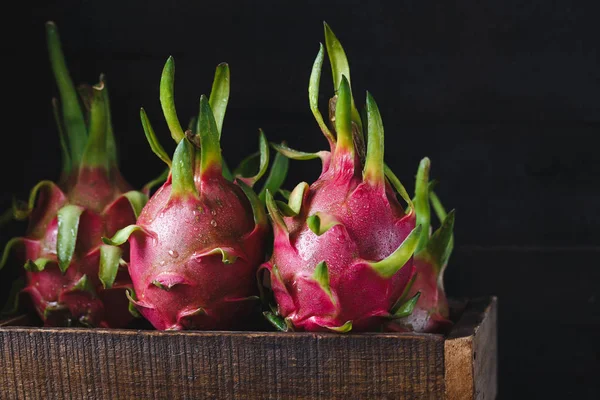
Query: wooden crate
61, 363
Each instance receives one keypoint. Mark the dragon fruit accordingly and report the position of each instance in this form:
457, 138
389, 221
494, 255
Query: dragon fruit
428, 303
72, 277
342, 256
200, 238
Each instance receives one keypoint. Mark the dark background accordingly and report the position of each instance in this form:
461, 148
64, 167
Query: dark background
504, 98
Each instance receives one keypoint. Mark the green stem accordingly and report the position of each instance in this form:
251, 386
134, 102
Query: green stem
210, 146
167, 99
374, 166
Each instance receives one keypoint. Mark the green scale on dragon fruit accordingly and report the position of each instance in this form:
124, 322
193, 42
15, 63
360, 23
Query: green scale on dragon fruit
198, 242
71, 276
343, 251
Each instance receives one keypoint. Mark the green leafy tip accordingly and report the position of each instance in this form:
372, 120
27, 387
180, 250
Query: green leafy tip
219, 95
258, 210
84, 284
153, 140
227, 255
276, 176
68, 225
137, 200
407, 308
274, 213
295, 154
441, 243
110, 260
131, 296
343, 120
182, 170
277, 321
72, 115
313, 94
398, 186
245, 165
95, 153
167, 99
37, 265
123, 235
321, 222
395, 261
422, 207
374, 166
210, 146
347, 327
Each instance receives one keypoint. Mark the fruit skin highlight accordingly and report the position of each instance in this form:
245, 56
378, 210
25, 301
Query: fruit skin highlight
199, 240
342, 257
72, 277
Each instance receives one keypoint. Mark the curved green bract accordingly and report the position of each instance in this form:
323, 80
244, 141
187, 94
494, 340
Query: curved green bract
321, 222
84, 284
347, 327
23, 213
274, 213
438, 208
343, 120
95, 151
153, 140
296, 197
321, 275
137, 200
219, 95
407, 308
123, 235
313, 94
167, 99
182, 170
295, 154
72, 114
110, 259
395, 261
276, 176
159, 180
374, 166
132, 297
66, 240
8, 248
398, 185
210, 147
227, 257
441, 243
339, 67
277, 321
260, 217
422, 202
64, 147
111, 146
37, 265
246, 164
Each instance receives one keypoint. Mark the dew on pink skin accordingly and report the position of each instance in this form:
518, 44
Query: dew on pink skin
173, 253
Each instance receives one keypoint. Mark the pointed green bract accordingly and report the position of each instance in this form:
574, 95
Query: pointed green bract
321, 222
122, 235
227, 257
72, 114
422, 202
84, 284
313, 94
8, 249
374, 166
152, 139
295, 154
37, 265
339, 67
110, 259
347, 327
95, 151
66, 240
297, 197
438, 208
263, 162
278, 221
321, 275
276, 176
440, 244
182, 170
21, 213
248, 165
111, 146
210, 146
260, 217
159, 180
343, 121
167, 99
407, 308
285, 193
137, 200
131, 296
219, 95
66, 157
398, 185
395, 261
277, 321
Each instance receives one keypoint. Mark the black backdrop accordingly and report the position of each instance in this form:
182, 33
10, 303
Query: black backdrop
503, 97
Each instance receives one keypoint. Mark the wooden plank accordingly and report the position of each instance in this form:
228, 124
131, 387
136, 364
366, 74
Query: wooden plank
470, 353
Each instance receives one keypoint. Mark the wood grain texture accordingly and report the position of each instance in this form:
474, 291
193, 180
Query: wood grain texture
62, 363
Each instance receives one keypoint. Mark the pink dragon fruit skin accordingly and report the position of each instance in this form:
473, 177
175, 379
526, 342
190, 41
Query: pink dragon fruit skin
72, 277
200, 239
343, 247
429, 305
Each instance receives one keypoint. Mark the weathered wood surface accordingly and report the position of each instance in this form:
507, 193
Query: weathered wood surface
40, 363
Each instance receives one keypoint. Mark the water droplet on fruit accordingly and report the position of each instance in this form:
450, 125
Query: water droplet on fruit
162, 262
173, 253
213, 212
213, 222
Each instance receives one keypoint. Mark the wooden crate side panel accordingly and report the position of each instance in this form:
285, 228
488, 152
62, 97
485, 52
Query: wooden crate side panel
101, 364
485, 355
